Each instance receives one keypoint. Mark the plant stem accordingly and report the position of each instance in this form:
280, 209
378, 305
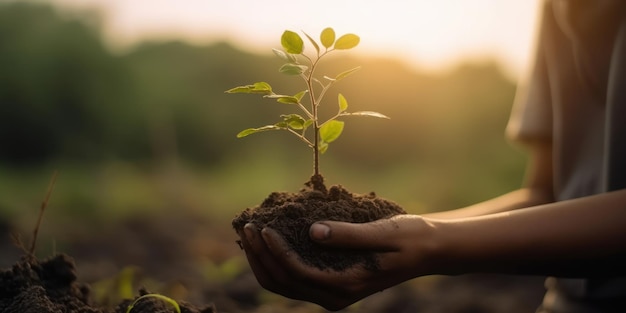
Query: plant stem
314, 103
44, 204
316, 128
301, 136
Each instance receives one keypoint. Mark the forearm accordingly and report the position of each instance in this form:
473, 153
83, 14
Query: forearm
521, 198
581, 237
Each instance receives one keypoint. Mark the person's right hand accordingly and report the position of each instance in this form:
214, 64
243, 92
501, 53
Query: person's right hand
401, 244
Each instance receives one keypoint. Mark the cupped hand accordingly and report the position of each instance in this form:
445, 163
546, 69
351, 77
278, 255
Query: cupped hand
400, 243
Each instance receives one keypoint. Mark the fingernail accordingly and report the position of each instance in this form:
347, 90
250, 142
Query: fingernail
250, 231
319, 231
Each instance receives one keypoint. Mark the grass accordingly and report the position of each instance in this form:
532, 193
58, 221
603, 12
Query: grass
111, 191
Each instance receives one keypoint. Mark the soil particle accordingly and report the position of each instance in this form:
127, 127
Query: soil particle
50, 286
47, 286
291, 214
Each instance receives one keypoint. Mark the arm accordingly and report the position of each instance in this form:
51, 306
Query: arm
539, 239
581, 237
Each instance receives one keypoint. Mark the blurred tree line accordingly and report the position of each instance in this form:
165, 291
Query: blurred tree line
65, 96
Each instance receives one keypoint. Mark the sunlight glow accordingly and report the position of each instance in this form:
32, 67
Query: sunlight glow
428, 34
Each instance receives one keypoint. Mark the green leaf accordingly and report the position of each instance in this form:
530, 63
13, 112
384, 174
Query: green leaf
315, 45
331, 130
283, 99
262, 87
347, 41
166, 299
327, 37
347, 73
292, 69
292, 42
285, 56
259, 87
323, 147
368, 113
307, 124
281, 54
251, 131
294, 121
287, 100
240, 89
343, 103
295, 99
300, 95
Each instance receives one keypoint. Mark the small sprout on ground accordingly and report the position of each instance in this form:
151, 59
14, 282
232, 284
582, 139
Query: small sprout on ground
157, 296
44, 204
324, 131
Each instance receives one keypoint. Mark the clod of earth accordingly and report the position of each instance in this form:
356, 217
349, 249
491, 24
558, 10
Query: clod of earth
51, 286
291, 214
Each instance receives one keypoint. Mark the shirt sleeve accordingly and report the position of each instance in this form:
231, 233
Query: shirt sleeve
531, 116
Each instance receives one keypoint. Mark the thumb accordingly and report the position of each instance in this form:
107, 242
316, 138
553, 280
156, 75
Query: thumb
363, 236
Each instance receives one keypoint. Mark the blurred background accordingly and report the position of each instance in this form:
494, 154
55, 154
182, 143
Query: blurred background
125, 99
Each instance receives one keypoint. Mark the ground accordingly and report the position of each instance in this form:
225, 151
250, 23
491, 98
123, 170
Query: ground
195, 260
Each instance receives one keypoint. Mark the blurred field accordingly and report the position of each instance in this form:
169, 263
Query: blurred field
150, 132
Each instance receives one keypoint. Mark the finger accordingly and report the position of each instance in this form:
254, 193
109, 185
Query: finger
393, 240
373, 236
272, 276
298, 286
299, 270
253, 250
388, 238
267, 271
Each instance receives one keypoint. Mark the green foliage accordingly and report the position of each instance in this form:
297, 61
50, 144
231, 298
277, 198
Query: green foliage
327, 37
112, 123
291, 42
324, 132
347, 41
157, 296
59, 87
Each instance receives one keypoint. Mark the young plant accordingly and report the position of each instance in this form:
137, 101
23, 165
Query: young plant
30, 253
165, 299
308, 100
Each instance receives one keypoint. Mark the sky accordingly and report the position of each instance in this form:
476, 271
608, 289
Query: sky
425, 33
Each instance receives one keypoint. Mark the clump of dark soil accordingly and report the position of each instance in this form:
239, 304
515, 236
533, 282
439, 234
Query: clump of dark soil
291, 214
48, 286
51, 286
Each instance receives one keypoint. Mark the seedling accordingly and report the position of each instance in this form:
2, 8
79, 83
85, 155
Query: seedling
44, 204
166, 299
308, 100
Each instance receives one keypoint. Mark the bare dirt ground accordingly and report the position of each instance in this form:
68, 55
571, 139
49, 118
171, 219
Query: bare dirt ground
196, 261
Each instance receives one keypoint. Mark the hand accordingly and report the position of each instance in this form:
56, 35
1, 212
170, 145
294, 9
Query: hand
401, 245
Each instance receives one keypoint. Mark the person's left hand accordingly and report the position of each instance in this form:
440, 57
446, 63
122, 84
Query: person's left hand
398, 243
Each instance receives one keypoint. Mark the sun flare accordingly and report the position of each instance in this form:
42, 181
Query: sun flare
429, 34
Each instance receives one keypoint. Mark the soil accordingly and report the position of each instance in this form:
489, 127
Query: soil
33, 286
291, 214
189, 256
